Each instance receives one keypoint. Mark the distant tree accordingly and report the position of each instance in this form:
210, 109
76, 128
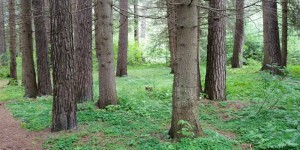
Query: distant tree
43, 65
64, 103
215, 80
271, 35
123, 39
105, 53
2, 36
83, 47
27, 59
12, 41
284, 32
185, 91
237, 57
136, 21
171, 31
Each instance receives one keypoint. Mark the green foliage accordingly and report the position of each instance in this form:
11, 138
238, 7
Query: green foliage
253, 49
4, 71
11, 92
135, 55
34, 115
142, 118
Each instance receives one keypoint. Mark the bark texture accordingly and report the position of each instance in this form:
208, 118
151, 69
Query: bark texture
12, 40
43, 65
284, 32
2, 36
64, 103
136, 21
237, 57
27, 59
215, 80
171, 31
198, 52
123, 40
272, 37
105, 53
185, 91
83, 48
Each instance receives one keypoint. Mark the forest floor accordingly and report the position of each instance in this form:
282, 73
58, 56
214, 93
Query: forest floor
262, 112
12, 136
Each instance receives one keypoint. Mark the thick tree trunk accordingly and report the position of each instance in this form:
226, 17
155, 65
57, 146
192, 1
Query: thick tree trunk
12, 41
215, 80
185, 91
64, 103
27, 60
237, 57
273, 42
123, 40
284, 32
2, 36
43, 66
105, 53
266, 59
136, 22
171, 32
83, 48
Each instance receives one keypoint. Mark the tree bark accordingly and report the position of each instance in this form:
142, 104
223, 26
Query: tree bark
171, 31
136, 22
64, 103
198, 52
185, 91
12, 41
43, 66
272, 37
105, 53
237, 57
266, 59
83, 48
2, 36
215, 80
123, 40
284, 32
27, 59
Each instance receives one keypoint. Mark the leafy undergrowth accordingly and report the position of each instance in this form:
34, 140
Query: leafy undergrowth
264, 114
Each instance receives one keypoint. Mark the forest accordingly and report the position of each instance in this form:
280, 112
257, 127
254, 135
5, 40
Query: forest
150, 74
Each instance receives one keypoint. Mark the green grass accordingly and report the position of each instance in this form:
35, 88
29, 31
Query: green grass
264, 113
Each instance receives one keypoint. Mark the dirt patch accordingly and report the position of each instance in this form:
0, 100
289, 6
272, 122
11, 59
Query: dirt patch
13, 137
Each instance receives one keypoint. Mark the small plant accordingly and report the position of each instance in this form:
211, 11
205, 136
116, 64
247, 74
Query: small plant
186, 129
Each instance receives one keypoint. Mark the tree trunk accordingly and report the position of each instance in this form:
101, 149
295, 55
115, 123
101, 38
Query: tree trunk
105, 53
64, 103
284, 32
171, 31
215, 81
2, 36
27, 60
185, 91
12, 41
272, 36
266, 59
83, 48
136, 22
123, 40
198, 52
237, 57
43, 66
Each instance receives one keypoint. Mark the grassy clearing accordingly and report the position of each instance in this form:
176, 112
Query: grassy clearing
262, 112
